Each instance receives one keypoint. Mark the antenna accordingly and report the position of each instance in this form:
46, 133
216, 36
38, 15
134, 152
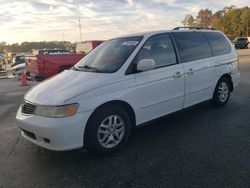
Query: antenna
79, 20
63, 40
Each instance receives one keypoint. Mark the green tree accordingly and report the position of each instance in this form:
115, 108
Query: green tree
216, 20
203, 18
15, 47
244, 21
231, 20
2, 47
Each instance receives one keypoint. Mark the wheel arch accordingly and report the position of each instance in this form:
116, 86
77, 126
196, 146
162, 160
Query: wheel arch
128, 108
229, 78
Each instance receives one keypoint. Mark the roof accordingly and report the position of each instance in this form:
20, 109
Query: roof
150, 33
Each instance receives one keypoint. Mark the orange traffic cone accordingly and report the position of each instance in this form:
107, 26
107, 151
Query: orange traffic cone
23, 80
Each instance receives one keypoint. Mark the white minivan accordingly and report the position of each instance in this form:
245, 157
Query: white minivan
125, 82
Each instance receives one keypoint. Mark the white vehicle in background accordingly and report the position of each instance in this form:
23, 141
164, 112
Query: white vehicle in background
87, 46
125, 82
18, 69
18, 65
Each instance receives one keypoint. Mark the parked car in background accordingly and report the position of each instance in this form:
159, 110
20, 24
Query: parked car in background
126, 82
43, 64
18, 69
87, 46
1, 61
241, 42
18, 59
1, 56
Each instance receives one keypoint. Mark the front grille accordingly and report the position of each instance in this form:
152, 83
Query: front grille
28, 108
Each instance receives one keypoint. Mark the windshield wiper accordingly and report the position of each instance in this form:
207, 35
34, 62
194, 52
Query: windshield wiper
90, 68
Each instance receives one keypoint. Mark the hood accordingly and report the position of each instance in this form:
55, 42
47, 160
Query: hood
64, 86
20, 66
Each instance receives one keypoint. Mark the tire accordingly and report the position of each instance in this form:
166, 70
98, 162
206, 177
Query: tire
108, 130
222, 92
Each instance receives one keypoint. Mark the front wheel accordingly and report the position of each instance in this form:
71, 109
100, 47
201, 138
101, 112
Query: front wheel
108, 130
222, 92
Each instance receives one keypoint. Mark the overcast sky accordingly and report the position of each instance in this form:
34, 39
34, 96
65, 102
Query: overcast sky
45, 20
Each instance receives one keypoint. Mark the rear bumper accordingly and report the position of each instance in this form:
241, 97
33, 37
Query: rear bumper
56, 134
241, 46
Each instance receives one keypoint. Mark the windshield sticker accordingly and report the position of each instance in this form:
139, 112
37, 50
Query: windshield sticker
130, 43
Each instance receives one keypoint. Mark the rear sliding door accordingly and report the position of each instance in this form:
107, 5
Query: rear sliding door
198, 62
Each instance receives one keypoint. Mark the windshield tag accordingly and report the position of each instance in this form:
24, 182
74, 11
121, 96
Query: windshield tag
130, 43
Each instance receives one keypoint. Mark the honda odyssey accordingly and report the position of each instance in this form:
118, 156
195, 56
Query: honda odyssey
125, 82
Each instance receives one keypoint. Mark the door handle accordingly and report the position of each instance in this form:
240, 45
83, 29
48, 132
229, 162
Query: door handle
177, 75
190, 71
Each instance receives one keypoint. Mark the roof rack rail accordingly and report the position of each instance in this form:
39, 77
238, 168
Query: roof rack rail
193, 28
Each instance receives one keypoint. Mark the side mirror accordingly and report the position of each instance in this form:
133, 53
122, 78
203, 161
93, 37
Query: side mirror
145, 65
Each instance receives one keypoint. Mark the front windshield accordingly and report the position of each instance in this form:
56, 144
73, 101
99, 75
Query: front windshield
109, 56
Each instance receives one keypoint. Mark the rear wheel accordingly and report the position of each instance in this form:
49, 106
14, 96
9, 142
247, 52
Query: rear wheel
222, 92
108, 130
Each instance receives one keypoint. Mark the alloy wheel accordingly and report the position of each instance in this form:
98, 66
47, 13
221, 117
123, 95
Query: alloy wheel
111, 131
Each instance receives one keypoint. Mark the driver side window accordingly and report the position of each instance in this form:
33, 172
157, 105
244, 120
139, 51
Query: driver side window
160, 49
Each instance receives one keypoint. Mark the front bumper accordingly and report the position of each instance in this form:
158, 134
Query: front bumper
56, 134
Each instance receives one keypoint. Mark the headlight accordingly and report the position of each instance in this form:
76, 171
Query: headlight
56, 111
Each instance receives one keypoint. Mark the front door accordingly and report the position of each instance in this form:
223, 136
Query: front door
159, 91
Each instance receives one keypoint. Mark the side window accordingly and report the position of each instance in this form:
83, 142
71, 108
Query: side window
218, 43
160, 49
192, 46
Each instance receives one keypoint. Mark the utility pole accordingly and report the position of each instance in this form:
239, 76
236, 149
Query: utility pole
63, 40
79, 20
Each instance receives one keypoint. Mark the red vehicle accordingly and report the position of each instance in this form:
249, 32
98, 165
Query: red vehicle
43, 64
46, 63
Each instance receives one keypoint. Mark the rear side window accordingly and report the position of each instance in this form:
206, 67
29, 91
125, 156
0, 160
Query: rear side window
192, 46
218, 43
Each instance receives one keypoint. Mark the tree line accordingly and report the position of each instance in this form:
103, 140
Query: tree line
231, 20
28, 46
